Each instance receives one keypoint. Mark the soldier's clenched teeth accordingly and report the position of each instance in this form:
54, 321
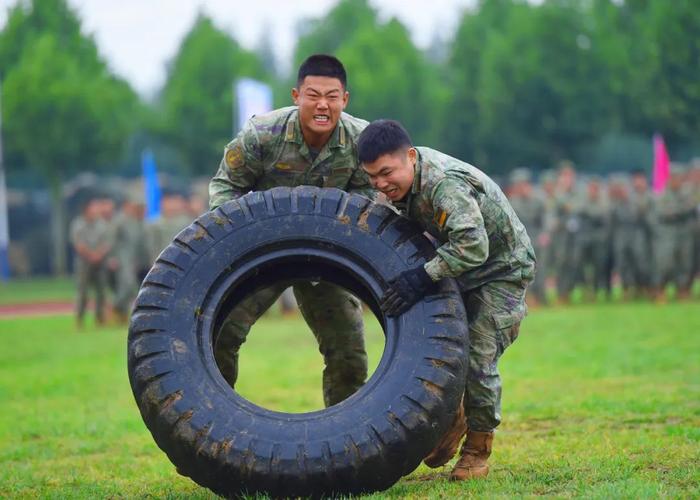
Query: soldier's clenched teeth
321, 118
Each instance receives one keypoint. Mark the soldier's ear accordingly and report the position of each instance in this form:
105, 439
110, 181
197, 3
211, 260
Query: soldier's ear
346, 98
295, 96
412, 156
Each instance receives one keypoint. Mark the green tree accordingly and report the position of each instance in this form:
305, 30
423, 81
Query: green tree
63, 117
327, 34
534, 89
197, 100
669, 87
389, 78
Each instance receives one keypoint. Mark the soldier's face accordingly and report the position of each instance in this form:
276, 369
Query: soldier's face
640, 183
321, 100
392, 174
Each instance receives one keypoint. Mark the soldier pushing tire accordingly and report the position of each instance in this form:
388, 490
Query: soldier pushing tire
228, 444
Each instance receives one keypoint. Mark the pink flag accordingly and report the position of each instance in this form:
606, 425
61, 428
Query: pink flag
662, 165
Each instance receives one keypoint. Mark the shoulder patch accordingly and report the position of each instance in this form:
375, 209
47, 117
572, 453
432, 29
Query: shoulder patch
234, 157
440, 218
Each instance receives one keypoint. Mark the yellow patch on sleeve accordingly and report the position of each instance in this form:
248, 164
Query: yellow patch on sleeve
440, 218
283, 166
234, 157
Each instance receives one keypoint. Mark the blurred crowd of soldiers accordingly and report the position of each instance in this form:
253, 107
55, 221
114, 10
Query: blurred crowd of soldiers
589, 234
115, 248
597, 235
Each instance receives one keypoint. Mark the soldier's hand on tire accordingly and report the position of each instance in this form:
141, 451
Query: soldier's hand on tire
405, 290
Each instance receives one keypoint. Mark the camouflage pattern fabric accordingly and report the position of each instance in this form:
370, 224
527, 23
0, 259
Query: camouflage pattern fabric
130, 250
92, 234
486, 248
592, 244
532, 212
565, 253
631, 228
270, 151
673, 243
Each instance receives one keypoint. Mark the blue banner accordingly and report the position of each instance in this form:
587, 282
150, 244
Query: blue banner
151, 186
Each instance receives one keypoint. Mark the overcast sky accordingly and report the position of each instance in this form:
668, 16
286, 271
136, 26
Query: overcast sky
137, 37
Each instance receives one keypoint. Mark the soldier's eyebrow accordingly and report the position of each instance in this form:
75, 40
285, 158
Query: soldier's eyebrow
318, 92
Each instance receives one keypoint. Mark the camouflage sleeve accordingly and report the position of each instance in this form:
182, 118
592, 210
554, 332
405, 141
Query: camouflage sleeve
239, 169
359, 184
74, 231
457, 212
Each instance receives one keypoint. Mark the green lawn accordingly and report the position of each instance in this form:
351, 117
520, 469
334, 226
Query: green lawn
599, 401
26, 291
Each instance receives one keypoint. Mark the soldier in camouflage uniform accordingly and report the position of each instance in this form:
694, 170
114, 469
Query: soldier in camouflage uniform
567, 224
174, 217
675, 216
631, 212
88, 235
531, 210
545, 250
312, 143
483, 245
592, 239
694, 183
129, 249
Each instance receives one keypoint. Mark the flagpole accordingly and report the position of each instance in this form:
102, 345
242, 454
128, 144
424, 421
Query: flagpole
4, 229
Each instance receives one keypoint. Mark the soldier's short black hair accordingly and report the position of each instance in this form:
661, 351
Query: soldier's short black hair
382, 137
322, 65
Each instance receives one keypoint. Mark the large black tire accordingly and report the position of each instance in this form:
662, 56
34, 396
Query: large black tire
226, 443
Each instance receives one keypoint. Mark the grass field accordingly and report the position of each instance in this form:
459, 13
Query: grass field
599, 401
23, 291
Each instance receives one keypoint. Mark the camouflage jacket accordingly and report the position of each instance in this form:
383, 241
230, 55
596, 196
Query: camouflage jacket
270, 151
94, 235
531, 211
674, 208
481, 237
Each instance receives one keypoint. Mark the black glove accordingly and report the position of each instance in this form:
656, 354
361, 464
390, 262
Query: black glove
405, 290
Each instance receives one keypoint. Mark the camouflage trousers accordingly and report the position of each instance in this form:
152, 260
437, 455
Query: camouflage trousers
673, 251
632, 257
335, 318
90, 276
593, 256
127, 287
494, 312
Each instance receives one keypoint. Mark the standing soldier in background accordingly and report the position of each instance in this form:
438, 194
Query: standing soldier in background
564, 235
592, 249
675, 217
531, 210
643, 207
312, 143
88, 235
129, 250
111, 261
545, 249
627, 266
694, 183
174, 217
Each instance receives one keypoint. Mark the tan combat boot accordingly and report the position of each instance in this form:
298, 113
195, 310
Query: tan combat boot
448, 445
475, 453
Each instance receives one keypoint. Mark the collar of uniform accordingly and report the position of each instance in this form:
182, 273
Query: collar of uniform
337, 139
417, 169
293, 132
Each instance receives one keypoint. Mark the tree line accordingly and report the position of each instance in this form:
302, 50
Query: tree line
518, 84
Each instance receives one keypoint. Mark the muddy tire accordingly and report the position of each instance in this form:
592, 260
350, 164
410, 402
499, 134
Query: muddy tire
232, 446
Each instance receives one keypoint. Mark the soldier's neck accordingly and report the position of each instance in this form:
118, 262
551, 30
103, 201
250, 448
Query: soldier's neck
314, 140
